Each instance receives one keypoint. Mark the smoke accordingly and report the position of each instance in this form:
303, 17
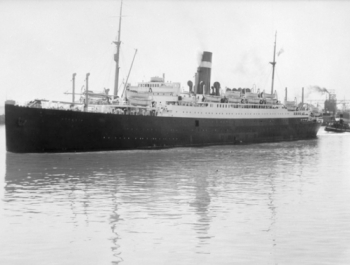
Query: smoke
248, 62
280, 52
316, 89
241, 65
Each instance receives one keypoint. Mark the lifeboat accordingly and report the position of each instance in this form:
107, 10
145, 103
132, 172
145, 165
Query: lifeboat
266, 95
251, 95
210, 98
139, 95
140, 102
290, 105
233, 94
235, 100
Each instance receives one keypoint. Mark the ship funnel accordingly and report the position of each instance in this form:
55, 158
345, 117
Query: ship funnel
203, 74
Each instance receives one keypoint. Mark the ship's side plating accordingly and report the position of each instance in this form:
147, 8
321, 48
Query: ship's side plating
50, 130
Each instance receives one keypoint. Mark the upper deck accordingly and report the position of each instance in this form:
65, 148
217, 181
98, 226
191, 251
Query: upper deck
165, 99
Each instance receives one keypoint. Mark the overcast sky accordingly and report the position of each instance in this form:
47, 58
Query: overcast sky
44, 42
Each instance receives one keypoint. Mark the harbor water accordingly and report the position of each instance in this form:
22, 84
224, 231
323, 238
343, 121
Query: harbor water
273, 203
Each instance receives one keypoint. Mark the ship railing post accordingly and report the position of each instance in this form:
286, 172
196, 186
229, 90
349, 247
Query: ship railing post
73, 94
86, 105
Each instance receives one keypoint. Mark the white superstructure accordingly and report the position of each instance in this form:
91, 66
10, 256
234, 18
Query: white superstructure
165, 99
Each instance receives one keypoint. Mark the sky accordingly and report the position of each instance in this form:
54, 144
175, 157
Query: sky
44, 42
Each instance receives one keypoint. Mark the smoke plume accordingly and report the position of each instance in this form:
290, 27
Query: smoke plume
316, 89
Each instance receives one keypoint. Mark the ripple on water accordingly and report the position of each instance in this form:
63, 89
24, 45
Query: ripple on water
280, 203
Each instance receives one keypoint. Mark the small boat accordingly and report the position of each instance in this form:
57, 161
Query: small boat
337, 127
212, 98
233, 94
144, 102
139, 95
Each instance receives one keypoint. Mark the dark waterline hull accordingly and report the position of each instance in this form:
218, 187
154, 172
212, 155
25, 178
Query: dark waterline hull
35, 130
336, 130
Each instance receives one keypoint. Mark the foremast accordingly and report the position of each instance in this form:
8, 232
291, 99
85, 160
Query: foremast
116, 56
273, 64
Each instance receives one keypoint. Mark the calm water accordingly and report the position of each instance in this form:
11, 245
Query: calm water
282, 203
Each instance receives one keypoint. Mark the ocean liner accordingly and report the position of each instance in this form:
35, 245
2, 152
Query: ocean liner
157, 114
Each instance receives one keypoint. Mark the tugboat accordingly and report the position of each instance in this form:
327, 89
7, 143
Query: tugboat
338, 126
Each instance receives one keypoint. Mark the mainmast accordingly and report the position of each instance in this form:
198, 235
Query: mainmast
273, 64
116, 56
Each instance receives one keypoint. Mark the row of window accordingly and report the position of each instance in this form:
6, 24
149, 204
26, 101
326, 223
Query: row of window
234, 106
245, 106
151, 85
220, 113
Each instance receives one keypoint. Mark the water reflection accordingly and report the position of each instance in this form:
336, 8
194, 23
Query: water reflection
201, 204
85, 187
68, 186
188, 202
153, 184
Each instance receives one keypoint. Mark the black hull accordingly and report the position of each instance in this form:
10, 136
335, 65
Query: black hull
35, 130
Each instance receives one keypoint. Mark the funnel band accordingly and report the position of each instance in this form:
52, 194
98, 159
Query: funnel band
205, 64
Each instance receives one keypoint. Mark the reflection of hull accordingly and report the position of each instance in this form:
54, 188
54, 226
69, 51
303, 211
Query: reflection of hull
52, 130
